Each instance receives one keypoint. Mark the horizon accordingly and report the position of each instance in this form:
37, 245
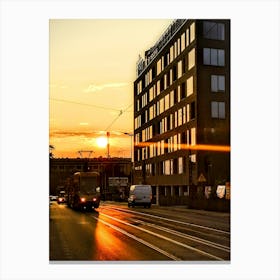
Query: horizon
91, 82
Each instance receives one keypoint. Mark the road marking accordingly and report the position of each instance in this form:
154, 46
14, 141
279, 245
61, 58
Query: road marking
170, 220
139, 240
187, 236
165, 238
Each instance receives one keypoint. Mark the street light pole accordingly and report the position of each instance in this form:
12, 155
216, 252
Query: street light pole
131, 155
108, 144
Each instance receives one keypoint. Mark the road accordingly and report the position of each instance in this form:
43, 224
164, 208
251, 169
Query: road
114, 232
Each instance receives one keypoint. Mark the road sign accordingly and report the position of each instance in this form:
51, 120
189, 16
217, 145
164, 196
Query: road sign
118, 181
201, 178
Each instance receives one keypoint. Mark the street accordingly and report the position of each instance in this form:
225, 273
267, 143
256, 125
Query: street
114, 232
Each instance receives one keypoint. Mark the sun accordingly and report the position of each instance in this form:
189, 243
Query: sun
101, 142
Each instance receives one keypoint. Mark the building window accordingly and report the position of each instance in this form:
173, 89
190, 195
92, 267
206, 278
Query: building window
217, 83
214, 57
171, 98
213, 30
178, 46
187, 37
183, 41
191, 59
192, 32
166, 60
193, 136
159, 67
180, 165
218, 110
179, 68
183, 90
174, 74
190, 86
162, 83
166, 102
139, 87
192, 110
171, 53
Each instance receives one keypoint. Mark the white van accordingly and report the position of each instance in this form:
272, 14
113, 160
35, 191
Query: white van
140, 195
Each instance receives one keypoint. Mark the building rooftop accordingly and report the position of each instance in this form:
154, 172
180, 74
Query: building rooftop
150, 54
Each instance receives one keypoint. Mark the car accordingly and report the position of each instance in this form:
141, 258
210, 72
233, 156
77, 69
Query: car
53, 197
140, 195
61, 199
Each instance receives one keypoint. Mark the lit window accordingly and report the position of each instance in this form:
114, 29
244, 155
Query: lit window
193, 136
188, 112
171, 53
191, 59
179, 69
187, 37
159, 67
171, 98
183, 41
180, 165
192, 32
178, 46
166, 102
189, 86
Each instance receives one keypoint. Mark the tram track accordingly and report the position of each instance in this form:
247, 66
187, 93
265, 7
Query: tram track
174, 243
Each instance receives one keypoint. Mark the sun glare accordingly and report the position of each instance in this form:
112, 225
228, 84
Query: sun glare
101, 142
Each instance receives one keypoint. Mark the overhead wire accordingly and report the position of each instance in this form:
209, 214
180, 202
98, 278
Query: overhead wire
97, 106
120, 113
85, 104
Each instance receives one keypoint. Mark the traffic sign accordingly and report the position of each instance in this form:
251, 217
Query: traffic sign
201, 178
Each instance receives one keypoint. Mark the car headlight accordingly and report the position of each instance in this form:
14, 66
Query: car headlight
83, 199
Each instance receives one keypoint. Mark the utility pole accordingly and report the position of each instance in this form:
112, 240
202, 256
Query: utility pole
108, 144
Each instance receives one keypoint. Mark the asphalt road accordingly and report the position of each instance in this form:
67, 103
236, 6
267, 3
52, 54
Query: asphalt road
114, 232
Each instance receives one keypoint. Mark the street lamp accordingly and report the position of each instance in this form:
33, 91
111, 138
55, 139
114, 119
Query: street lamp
131, 154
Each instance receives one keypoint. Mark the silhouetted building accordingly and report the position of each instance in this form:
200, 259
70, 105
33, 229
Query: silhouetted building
182, 110
110, 169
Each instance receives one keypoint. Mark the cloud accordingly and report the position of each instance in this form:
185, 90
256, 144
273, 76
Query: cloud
94, 88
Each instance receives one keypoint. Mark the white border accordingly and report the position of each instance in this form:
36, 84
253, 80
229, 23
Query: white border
255, 138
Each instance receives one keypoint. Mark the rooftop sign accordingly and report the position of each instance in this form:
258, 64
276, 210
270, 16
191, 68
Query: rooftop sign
153, 51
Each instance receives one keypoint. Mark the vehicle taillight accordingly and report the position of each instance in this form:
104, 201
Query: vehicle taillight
60, 199
94, 199
83, 199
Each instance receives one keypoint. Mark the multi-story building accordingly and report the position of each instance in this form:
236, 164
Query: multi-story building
182, 109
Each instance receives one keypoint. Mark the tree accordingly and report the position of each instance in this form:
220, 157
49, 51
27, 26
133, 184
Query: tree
51, 148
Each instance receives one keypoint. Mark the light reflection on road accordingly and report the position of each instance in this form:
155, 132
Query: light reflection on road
106, 243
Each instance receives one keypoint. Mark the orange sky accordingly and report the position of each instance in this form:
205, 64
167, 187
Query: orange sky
92, 70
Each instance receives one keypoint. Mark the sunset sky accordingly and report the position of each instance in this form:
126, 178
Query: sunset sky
92, 70
34, 51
